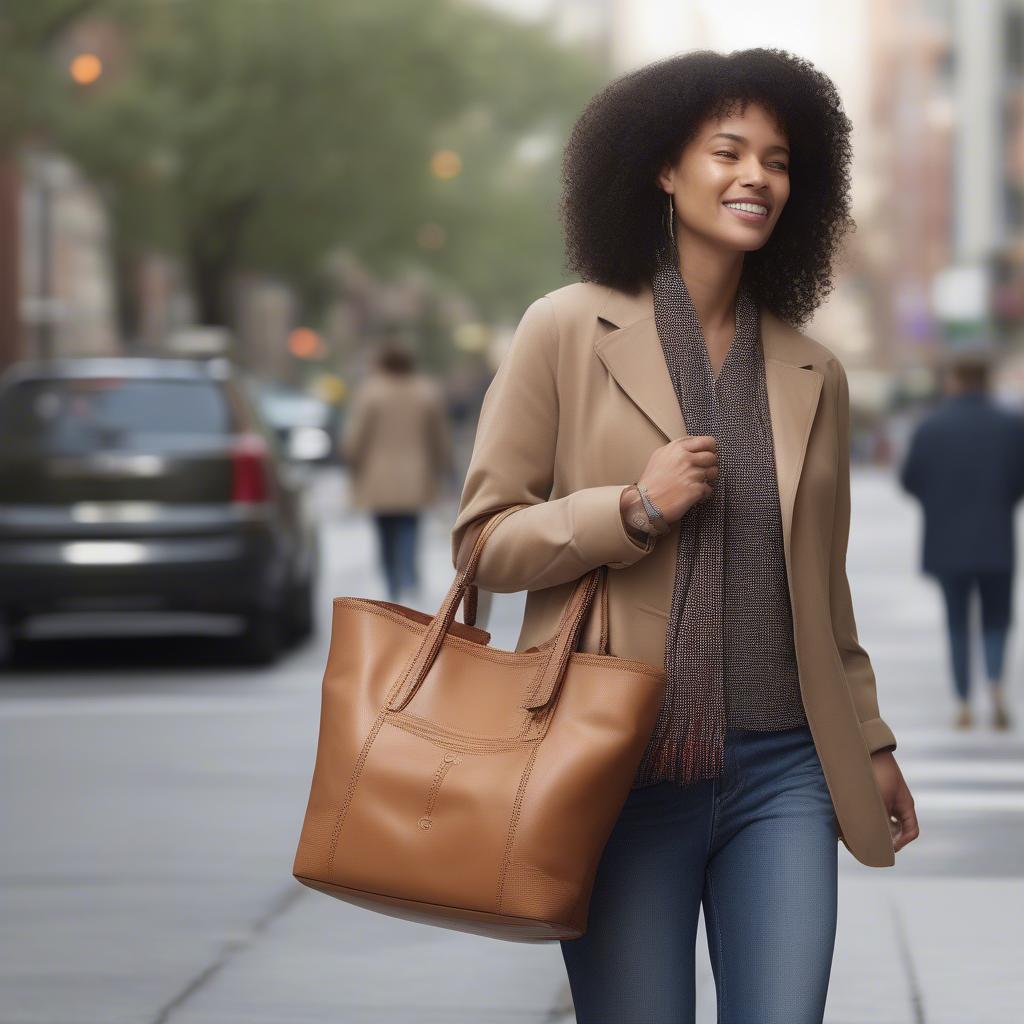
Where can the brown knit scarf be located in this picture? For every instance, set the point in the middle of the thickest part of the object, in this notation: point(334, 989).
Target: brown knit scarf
point(687, 741)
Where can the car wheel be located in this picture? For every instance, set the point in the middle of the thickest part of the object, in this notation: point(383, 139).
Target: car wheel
point(261, 640)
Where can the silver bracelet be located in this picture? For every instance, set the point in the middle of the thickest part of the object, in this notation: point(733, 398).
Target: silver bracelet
point(653, 512)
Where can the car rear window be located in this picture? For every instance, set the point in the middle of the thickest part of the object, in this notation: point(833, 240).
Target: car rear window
point(104, 412)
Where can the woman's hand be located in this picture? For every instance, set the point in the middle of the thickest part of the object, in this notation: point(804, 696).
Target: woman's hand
point(675, 474)
point(897, 798)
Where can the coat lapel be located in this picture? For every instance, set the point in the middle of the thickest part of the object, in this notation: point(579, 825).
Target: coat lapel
point(633, 356)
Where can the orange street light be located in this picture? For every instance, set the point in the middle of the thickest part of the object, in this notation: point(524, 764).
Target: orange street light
point(86, 68)
point(445, 164)
point(304, 343)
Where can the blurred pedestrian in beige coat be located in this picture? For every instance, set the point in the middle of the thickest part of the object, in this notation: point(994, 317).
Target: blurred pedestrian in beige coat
point(397, 445)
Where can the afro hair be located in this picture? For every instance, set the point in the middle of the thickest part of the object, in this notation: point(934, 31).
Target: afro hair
point(613, 209)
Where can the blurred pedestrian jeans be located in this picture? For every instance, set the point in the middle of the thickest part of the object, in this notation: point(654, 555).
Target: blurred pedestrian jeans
point(996, 593)
point(759, 847)
point(397, 536)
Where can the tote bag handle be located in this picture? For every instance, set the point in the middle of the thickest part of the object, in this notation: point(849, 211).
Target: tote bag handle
point(551, 669)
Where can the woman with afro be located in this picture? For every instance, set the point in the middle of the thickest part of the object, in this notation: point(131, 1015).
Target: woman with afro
point(705, 199)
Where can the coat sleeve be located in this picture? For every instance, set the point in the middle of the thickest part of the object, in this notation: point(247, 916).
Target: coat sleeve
point(439, 437)
point(1018, 448)
point(910, 472)
point(860, 676)
point(355, 433)
point(513, 462)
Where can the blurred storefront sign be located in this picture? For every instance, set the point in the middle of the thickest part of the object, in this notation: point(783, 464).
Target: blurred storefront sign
point(914, 311)
point(200, 342)
point(330, 388)
point(961, 298)
point(870, 389)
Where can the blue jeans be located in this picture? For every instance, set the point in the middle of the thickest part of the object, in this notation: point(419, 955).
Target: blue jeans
point(995, 592)
point(397, 544)
point(758, 847)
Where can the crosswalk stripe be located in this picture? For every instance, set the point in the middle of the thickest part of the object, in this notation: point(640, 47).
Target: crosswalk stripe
point(979, 739)
point(952, 770)
point(968, 800)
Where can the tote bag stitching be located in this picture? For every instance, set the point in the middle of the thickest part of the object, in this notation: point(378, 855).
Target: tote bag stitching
point(608, 661)
point(358, 770)
point(443, 769)
point(356, 774)
point(514, 825)
point(488, 653)
point(443, 729)
point(612, 662)
point(467, 745)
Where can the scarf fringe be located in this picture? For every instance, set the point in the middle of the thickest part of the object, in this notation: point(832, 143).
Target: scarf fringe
point(700, 755)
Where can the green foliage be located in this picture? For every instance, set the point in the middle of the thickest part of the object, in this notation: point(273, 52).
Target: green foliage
point(30, 84)
point(260, 134)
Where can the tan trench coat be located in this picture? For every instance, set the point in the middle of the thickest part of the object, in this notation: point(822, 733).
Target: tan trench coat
point(396, 442)
point(580, 401)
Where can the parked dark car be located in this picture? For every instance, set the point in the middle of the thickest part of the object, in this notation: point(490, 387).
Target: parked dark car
point(149, 484)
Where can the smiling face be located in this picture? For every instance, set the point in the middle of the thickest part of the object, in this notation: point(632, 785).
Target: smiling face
point(741, 157)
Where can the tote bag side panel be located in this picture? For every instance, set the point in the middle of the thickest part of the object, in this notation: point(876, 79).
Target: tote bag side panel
point(368, 651)
point(582, 775)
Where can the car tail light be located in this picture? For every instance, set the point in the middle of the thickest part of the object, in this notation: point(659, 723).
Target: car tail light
point(249, 469)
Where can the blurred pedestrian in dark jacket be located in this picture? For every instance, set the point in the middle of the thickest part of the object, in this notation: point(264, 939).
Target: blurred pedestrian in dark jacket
point(397, 444)
point(965, 464)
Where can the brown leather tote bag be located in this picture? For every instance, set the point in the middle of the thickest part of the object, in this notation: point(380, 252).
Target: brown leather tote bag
point(460, 785)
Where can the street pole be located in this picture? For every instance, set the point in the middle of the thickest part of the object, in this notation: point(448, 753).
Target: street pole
point(45, 334)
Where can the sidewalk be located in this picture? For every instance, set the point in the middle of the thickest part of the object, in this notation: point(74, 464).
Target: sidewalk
point(945, 951)
point(326, 961)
